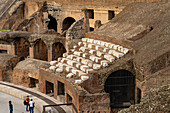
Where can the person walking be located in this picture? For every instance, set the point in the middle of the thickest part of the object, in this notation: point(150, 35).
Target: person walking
point(31, 103)
point(27, 103)
point(10, 107)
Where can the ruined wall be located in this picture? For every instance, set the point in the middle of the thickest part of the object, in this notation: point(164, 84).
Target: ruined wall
point(76, 30)
point(25, 70)
point(96, 103)
point(97, 2)
point(7, 67)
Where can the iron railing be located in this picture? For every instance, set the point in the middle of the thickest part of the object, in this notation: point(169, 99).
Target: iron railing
point(74, 107)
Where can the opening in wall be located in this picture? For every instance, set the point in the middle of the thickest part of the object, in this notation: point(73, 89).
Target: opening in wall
point(69, 99)
point(49, 88)
point(3, 51)
point(61, 90)
point(91, 13)
point(111, 14)
point(91, 29)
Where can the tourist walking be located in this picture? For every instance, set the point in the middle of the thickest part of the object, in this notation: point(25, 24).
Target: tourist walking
point(31, 106)
point(27, 103)
point(10, 107)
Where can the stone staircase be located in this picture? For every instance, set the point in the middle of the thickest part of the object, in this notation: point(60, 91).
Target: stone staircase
point(87, 57)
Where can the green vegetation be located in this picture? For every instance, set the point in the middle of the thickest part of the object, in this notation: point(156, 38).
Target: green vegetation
point(6, 30)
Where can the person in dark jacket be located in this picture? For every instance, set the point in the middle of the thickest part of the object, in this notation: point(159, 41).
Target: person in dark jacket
point(10, 107)
point(27, 101)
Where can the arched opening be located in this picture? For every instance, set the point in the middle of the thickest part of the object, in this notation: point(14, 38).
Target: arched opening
point(21, 47)
point(121, 87)
point(52, 23)
point(91, 29)
point(68, 22)
point(40, 51)
point(57, 50)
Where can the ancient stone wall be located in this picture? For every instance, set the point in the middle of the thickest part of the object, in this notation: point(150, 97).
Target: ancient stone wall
point(96, 103)
point(76, 30)
point(97, 2)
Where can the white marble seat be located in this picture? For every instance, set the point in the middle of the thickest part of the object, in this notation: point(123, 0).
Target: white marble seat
point(53, 62)
point(110, 58)
point(59, 70)
point(104, 63)
point(96, 66)
point(83, 78)
point(70, 75)
point(52, 68)
point(78, 81)
point(84, 67)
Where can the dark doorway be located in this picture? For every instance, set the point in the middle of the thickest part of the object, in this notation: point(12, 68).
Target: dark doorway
point(40, 51)
point(33, 83)
point(121, 86)
point(3, 51)
point(91, 29)
point(58, 50)
point(69, 99)
point(111, 14)
point(138, 95)
point(68, 22)
point(91, 13)
point(53, 23)
point(21, 47)
point(49, 88)
point(61, 89)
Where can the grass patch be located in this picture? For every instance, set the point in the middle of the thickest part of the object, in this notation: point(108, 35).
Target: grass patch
point(6, 30)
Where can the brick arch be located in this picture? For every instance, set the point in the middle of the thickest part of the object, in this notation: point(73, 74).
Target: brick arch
point(67, 22)
point(40, 50)
point(57, 50)
point(21, 47)
point(120, 84)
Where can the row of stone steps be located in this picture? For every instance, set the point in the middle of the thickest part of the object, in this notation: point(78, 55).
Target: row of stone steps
point(87, 57)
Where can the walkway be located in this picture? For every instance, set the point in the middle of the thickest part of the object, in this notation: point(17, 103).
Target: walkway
point(17, 104)
point(21, 92)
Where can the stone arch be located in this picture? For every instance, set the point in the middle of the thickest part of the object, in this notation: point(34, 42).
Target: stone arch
point(52, 23)
point(57, 50)
point(40, 50)
point(67, 22)
point(21, 47)
point(121, 87)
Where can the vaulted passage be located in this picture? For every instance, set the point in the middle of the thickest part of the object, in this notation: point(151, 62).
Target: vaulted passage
point(58, 50)
point(53, 23)
point(49, 87)
point(121, 86)
point(68, 22)
point(21, 47)
point(40, 51)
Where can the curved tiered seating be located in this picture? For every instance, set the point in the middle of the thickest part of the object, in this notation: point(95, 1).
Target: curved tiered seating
point(87, 57)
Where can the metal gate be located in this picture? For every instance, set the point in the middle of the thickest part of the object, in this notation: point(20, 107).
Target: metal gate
point(121, 86)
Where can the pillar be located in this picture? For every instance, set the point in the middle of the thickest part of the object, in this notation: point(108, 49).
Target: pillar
point(50, 53)
point(31, 52)
point(86, 26)
point(12, 50)
point(1, 75)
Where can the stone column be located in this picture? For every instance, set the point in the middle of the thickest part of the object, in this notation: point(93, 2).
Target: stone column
point(50, 53)
point(31, 52)
point(1, 75)
point(86, 26)
point(12, 51)
point(55, 89)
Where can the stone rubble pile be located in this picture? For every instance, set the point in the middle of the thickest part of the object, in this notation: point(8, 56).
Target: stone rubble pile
point(154, 101)
point(89, 56)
